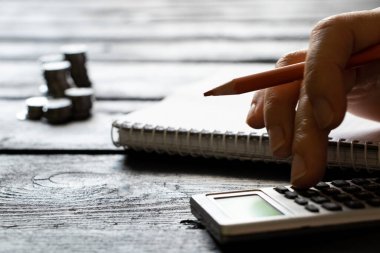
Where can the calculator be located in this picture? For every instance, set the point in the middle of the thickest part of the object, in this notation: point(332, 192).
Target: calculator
point(283, 210)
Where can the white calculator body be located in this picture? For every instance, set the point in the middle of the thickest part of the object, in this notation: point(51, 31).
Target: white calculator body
point(271, 211)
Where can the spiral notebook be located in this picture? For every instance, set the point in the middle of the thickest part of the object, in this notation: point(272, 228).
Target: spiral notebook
point(186, 123)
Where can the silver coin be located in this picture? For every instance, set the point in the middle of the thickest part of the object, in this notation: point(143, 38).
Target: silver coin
point(56, 66)
point(79, 92)
point(56, 77)
point(36, 102)
point(82, 100)
point(51, 58)
point(57, 103)
point(34, 107)
point(57, 111)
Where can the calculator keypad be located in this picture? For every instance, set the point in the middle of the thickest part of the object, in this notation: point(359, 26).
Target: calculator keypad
point(358, 193)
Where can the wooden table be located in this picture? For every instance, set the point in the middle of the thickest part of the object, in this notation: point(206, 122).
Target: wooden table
point(66, 188)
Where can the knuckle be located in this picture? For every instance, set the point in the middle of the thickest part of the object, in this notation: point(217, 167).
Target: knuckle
point(332, 22)
point(289, 58)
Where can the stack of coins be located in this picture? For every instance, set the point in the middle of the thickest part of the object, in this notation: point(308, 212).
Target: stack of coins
point(55, 74)
point(57, 110)
point(35, 107)
point(76, 55)
point(63, 100)
point(47, 59)
point(81, 99)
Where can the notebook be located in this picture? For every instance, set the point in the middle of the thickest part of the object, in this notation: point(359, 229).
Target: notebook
point(187, 123)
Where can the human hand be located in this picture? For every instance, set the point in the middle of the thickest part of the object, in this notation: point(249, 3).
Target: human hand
point(323, 96)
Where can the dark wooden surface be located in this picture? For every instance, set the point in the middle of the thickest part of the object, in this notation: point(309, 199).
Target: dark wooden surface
point(66, 188)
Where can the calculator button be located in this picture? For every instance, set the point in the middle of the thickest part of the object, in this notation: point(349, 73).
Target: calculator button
point(360, 181)
point(291, 195)
point(351, 189)
point(312, 208)
point(331, 206)
point(301, 201)
point(374, 202)
point(354, 204)
point(342, 197)
point(364, 195)
point(340, 183)
point(319, 199)
point(308, 193)
point(322, 185)
point(331, 191)
point(281, 189)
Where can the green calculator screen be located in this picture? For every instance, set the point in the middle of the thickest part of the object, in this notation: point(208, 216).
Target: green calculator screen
point(249, 206)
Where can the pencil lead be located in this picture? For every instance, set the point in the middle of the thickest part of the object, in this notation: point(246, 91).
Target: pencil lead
point(208, 93)
point(224, 89)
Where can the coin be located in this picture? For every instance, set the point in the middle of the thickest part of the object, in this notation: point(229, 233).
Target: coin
point(76, 55)
point(56, 66)
point(51, 58)
point(82, 100)
point(57, 110)
point(56, 76)
point(35, 107)
point(46, 59)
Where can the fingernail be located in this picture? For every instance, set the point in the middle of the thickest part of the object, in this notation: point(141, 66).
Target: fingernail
point(276, 136)
point(323, 113)
point(298, 169)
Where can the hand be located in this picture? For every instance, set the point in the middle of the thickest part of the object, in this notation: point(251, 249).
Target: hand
point(323, 96)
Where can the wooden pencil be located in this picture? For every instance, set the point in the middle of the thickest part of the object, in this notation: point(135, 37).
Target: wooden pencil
point(284, 75)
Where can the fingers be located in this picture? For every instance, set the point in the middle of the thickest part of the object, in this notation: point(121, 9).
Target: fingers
point(275, 109)
point(255, 117)
point(279, 109)
point(332, 42)
point(309, 146)
point(323, 101)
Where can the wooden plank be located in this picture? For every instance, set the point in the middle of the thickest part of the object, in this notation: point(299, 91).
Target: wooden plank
point(115, 203)
point(146, 51)
point(176, 31)
point(197, 10)
point(118, 80)
point(82, 136)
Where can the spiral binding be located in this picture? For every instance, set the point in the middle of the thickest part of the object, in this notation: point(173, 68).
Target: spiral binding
point(231, 145)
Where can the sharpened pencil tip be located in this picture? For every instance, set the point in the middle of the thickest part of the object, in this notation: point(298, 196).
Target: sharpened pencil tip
point(224, 89)
point(208, 93)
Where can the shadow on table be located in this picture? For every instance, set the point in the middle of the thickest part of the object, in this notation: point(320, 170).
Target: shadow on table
point(153, 162)
point(163, 163)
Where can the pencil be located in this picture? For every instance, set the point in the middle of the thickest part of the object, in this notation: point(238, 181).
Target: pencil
point(284, 75)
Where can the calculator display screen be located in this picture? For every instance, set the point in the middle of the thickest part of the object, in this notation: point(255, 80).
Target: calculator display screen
point(248, 206)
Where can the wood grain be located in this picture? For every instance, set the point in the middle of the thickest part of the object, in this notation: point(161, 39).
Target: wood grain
point(156, 11)
point(111, 203)
point(118, 80)
point(151, 51)
point(128, 203)
point(92, 135)
point(176, 31)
